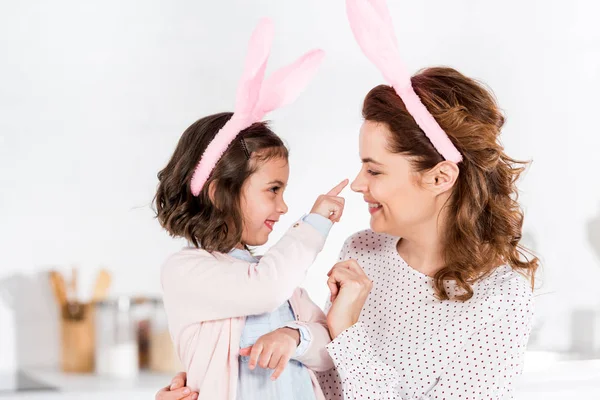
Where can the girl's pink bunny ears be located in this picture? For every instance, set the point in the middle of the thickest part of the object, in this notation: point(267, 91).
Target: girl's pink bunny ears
point(256, 96)
point(372, 27)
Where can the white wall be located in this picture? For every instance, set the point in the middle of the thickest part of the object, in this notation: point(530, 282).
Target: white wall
point(94, 95)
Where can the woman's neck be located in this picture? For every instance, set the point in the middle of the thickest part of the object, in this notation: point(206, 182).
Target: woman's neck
point(425, 257)
point(423, 247)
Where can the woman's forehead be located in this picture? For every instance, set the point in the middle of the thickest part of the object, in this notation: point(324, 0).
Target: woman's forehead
point(373, 141)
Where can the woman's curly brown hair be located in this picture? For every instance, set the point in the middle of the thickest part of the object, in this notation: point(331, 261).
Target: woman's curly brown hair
point(217, 224)
point(486, 217)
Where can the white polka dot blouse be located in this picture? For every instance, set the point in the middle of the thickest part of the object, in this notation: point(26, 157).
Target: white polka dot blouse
point(408, 344)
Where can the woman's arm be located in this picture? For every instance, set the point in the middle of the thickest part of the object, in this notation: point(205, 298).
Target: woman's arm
point(484, 367)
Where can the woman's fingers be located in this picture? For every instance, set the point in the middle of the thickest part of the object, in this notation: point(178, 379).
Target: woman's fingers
point(183, 393)
point(178, 381)
point(346, 269)
point(347, 273)
point(336, 275)
point(333, 288)
point(193, 396)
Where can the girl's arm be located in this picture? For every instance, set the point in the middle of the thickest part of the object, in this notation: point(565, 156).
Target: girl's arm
point(199, 286)
point(315, 355)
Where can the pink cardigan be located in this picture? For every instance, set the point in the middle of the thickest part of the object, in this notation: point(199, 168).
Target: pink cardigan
point(207, 297)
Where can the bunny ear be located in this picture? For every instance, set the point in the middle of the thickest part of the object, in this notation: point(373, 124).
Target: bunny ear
point(380, 6)
point(286, 84)
point(372, 27)
point(259, 49)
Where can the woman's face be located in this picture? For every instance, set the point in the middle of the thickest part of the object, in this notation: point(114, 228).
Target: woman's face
point(400, 200)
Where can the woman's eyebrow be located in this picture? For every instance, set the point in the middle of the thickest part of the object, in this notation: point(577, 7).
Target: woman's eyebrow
point(277, 182)
point(370, 160)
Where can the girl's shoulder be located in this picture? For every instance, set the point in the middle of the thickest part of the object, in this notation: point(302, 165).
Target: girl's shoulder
point(192, 256)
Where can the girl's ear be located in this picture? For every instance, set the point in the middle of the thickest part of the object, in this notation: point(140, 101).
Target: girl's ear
point(212, 187)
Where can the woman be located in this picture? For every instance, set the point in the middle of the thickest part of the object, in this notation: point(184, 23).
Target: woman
point(435, 300)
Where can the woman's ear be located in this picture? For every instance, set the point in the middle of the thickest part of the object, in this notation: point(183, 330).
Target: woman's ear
point(442, 177)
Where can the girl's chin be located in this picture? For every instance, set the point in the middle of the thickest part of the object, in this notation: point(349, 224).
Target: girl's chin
point(257, 241)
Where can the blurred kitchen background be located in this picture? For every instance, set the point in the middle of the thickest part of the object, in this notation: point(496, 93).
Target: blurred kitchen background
point(95, 94)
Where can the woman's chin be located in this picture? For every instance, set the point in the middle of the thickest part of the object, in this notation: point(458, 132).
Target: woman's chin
point(376, 225)
point(379, 226)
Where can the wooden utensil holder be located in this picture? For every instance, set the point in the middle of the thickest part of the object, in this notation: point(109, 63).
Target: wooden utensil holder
point(77, 337)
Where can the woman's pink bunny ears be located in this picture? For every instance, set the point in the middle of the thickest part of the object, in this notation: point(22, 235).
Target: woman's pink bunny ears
point(372, 27)
point(256, 96)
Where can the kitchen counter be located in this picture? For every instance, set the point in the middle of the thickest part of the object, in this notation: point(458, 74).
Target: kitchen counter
point(52, 384)
point(545, 378)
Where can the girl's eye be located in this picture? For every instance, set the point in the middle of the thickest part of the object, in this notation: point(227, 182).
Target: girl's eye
point(275, 189)
point(370, 172)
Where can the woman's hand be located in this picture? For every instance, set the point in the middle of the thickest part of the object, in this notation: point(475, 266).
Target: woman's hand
point(176, 390)
point(350, 287)
point(330, 205)
point(273, 350)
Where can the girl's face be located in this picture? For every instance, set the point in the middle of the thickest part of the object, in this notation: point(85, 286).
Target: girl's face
point(399, 199)
point(262, 200)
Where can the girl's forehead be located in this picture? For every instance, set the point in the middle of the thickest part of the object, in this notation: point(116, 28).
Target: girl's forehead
point(274, 169)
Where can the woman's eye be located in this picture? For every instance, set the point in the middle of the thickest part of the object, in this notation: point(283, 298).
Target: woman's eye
point(371, 172)
point(275, 189)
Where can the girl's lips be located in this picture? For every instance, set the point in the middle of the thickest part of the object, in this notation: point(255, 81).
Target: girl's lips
point(270, 224)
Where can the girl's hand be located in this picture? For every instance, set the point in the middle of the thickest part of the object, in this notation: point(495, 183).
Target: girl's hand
point(273, 350)
point(350, 287)
point(330, 205)
point(176, 390)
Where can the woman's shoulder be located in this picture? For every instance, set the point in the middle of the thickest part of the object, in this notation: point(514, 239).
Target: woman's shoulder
point(506, 287)
point(367, 241)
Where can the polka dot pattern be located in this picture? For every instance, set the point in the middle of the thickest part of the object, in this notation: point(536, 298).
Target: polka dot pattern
point(410, 345)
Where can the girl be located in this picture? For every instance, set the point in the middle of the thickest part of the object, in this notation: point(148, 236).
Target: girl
point(223, 190)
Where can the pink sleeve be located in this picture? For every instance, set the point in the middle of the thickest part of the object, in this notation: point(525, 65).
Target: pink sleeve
point(316, 356)
point(200, 287)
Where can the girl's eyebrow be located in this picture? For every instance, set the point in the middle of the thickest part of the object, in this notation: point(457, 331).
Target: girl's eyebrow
point(277, 181)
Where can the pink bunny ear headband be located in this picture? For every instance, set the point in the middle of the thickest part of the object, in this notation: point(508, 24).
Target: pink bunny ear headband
point(371, 24)
point(256, 97)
